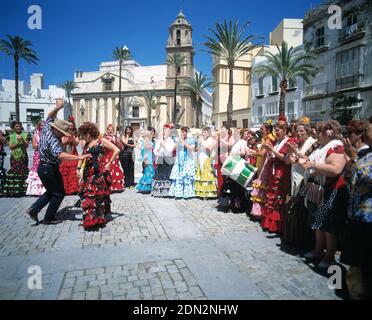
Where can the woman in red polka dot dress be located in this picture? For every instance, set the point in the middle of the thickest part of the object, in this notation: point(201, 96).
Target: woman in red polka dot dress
point(117, 174)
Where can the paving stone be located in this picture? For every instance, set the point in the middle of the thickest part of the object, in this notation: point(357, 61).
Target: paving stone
point(144, 224)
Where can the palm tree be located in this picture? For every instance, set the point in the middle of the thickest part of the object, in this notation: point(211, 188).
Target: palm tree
point(19, 49)
point(176, 60)
point(197, 85)
point(287, 65)
point(228, 42)
point(121, 54)
point(151, 103)
point(69, 86)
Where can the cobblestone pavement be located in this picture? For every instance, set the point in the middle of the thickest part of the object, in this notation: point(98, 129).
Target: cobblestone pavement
point(151, 249)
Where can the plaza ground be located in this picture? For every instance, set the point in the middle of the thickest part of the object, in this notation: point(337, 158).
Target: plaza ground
point(152, 249)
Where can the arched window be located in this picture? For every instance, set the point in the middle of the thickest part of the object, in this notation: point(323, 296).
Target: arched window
point(178, 35)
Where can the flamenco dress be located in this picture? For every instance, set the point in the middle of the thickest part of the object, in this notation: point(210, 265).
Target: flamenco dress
point(145, 184)
point(34, 185)
point(205, 180)
point(15, 184)
point(161, 182)
point(278, 188)
point(68, 172)
point(95, 188)
point(183, 172)
point(116, 171)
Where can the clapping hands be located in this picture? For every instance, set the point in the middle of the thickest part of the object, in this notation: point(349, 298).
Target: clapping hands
point(292, 147)
point(350, 150)
point(268, 147)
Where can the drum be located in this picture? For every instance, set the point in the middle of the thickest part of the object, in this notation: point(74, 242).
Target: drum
point(239, 170)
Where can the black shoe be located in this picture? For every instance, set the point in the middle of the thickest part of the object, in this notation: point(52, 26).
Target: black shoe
point(33, 215)
point(50, 222)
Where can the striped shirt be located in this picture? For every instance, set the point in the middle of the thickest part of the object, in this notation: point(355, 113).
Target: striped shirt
point(50, 147)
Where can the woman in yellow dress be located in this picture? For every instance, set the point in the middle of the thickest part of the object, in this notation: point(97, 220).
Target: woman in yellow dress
point(205, 179)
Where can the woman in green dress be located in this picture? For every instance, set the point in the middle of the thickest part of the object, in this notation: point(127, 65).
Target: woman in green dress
point(15, 184)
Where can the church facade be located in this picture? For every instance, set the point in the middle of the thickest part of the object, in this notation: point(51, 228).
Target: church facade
point(97, 96)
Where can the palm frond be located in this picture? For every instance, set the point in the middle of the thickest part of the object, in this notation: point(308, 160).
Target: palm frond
point(18, 48)
point(288, 63)
point(150, 99)
point(121, 54)
point(69, 86)
point(228, 41)
point(177, 60)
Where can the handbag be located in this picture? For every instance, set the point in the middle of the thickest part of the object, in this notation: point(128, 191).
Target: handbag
point(313, 192)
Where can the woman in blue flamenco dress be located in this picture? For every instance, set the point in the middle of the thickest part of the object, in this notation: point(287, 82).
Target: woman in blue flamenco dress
point(147, 155)
point(184, 169)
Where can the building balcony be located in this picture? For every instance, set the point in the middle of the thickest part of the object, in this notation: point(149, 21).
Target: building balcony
point(352, 33)
point(320, 44)
point(316, 89)
point(257, 120)
point(273, 93)
point(349, 82)
point(317, 45)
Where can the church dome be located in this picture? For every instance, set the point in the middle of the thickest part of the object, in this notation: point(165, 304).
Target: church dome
point(181, 20)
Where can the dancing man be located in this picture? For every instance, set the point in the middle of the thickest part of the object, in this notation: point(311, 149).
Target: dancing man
point(51, 154)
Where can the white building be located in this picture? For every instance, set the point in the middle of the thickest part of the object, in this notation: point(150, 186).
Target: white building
point(207, 107)
point(97, 96)
point(35, 101)
point(343, 56)
point(266, 90)
point(290, 30)
point(93, 101)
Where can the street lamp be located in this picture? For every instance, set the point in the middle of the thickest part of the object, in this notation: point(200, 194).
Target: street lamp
point(82, 109)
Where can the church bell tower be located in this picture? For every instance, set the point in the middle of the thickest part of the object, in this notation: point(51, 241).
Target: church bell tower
point(180, 41)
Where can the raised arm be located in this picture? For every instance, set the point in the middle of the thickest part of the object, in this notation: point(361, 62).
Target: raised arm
point(59, 106)
point(35, 144)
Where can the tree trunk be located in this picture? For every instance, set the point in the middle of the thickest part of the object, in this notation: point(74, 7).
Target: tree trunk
point(149, 116)
point(16, 67)
point(175, 100)
point(283, 92)
point(197, 112)
point(231, 96)
point(69, 103)
point(119, 104)
point(200, 114)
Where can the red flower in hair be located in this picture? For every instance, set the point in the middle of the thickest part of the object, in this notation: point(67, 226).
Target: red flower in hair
point(282, 117)
point(71, 119)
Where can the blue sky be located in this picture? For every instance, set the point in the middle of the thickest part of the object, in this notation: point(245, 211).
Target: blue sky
point(79, 34)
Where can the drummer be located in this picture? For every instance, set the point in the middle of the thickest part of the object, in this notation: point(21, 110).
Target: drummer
point(241, 148)
point(233, 196)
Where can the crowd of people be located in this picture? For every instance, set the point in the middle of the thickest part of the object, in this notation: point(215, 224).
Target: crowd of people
point(310, 183)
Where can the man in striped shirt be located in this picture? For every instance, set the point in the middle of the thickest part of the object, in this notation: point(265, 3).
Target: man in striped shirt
point(51, 153)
